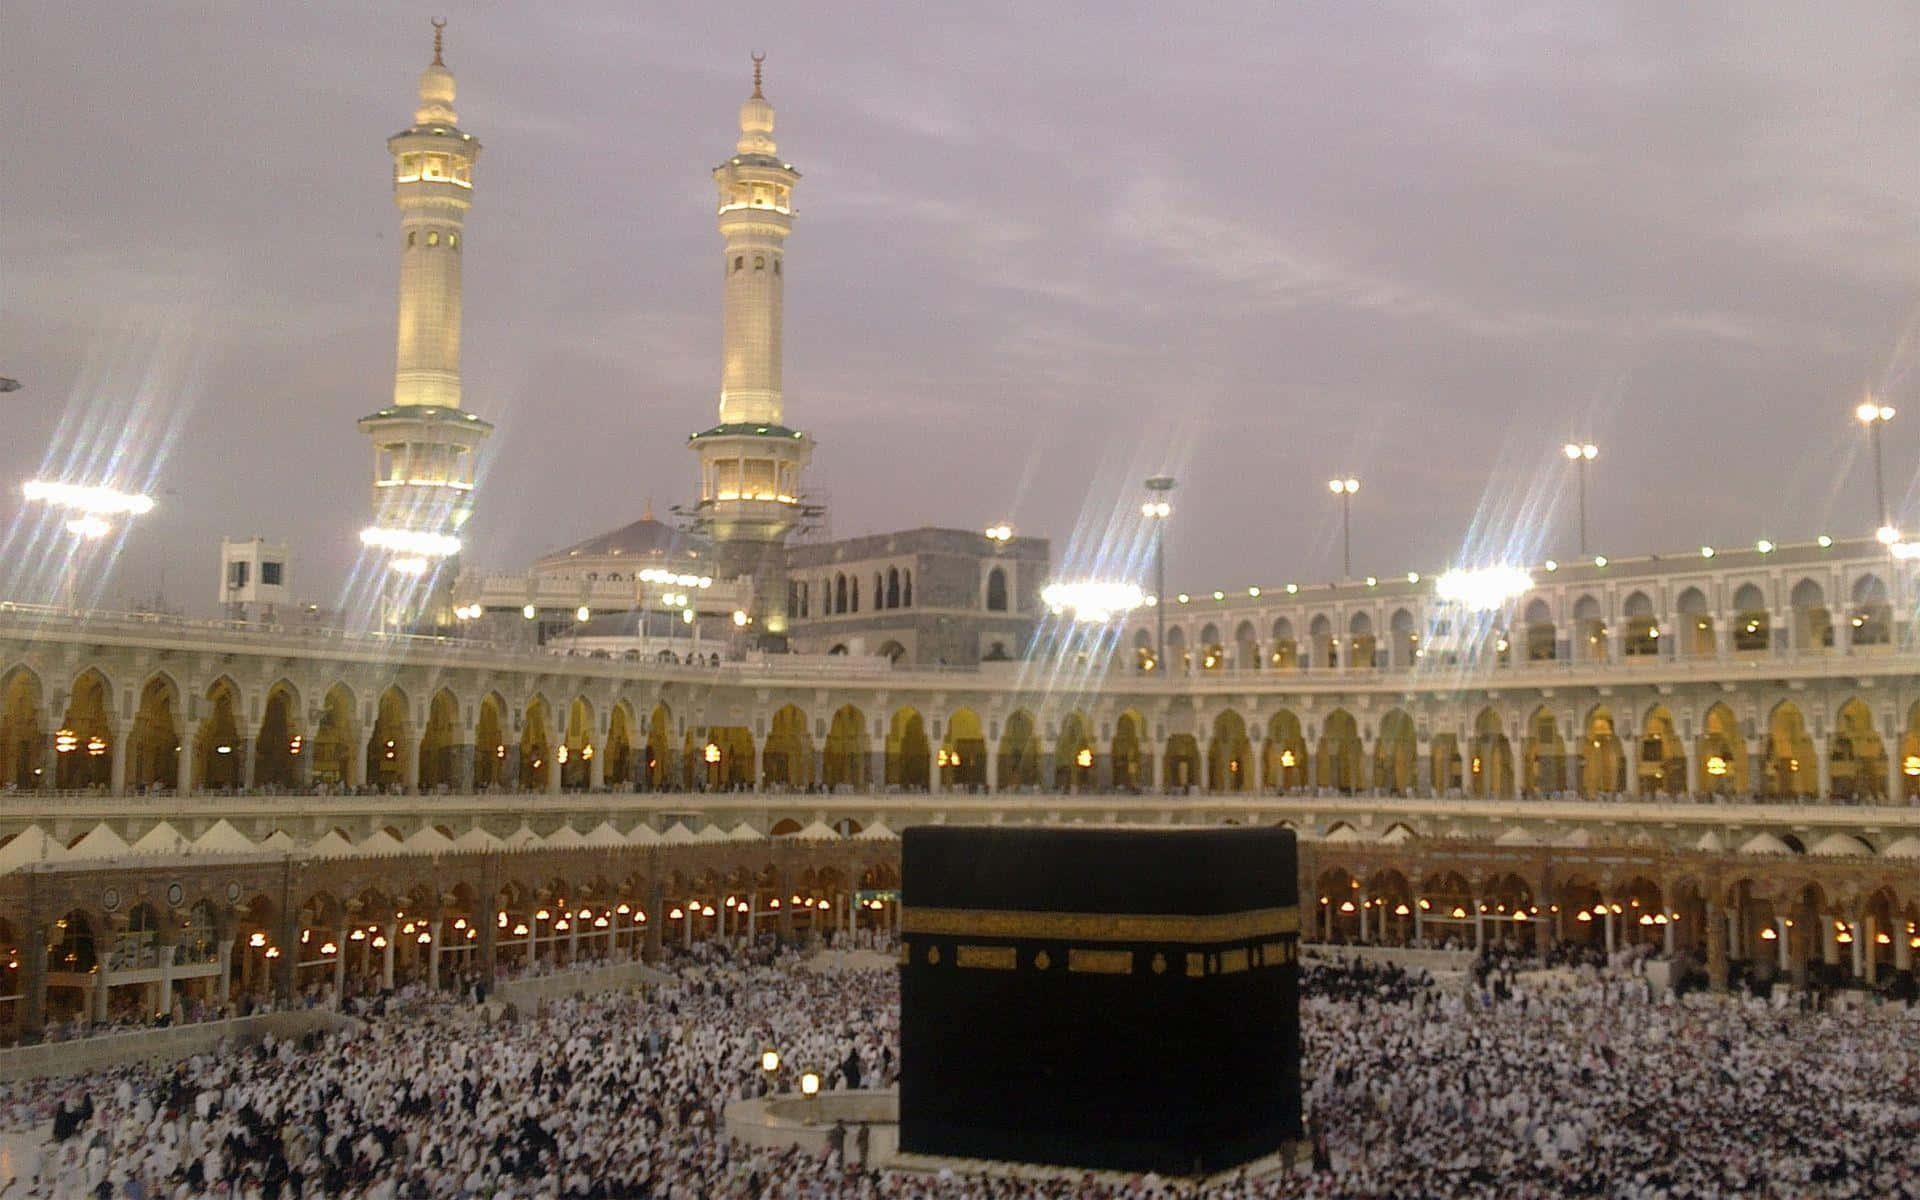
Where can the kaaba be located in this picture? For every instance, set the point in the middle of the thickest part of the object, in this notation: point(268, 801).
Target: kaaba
point(1119, 999)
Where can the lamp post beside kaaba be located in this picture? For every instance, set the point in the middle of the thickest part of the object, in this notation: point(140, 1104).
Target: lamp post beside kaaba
point(1112, 999)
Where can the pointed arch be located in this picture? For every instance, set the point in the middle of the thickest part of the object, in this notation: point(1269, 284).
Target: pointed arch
point(1663, 756)
point(1229, 754)
point(336, 742)
point(1073, 756)
point(787, 760)
point(618, 771)
point(1129, 762)
point(391, 743)
point(1285, 764)
point(1491, 767)
point(1857, 758)
point(963, 752)
point(153, 748)
point(1542, 638)
point(22, 740)
point(1752, 623)
point(1019, 752)
point(441, 744)
point(1603, 768)
point(280, 746)
point(1790, 768)
point(536, 746)
point(219, 749)
point(663, 759)
point(1722, 753)
point(844, 762)
point(576, 750)
point(1544, 754)
point(491, 766)
point(909, 754)
point(1396, 753)
point(1340, 752)
point(87, 726)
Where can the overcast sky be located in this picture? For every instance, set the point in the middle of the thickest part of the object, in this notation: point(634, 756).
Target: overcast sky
point(1040, 252)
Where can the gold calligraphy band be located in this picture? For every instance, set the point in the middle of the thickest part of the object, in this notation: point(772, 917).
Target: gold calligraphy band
point(1134, 928)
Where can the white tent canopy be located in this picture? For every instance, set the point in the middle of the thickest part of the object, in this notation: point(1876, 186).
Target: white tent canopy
point(222, 838)
point(427, 840)
point(478, 840)
point(877, 832)
point(1765, 844)
point(1840, 845)
point(565, 837)
point(102, 842)
point(522, 837)
point(604, 834)
point(162, 839)
point(379, 842)
point(331, 845)
point(31, 845)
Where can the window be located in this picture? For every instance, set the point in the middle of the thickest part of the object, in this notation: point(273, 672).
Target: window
point(759, 262)
point(413, 237)
point(236, 575)
point(853, 594)
point(776, 266)
point(893, 587)
point(996, 590)
point(433, 237)
point(453, 241)
point(270, 573)
point(906, 589)
point(839, 593)
point(739, 261)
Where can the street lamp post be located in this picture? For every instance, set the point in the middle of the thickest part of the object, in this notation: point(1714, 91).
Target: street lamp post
point(90, 508)
point(1873, 415)
point(1157, 510)
point(1580, 454)
point(1345, 488)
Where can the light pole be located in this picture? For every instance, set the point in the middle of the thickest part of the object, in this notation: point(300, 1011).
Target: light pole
point(90, 506)
point(1157, 510)
point(1580, 454)
point(1345, 488)
point(1873, 416)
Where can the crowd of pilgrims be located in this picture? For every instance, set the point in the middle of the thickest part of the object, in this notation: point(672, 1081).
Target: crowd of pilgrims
point(1497, 1082)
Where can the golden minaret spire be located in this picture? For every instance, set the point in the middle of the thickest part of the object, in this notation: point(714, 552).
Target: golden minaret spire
point(759, 56)
point(439, 29)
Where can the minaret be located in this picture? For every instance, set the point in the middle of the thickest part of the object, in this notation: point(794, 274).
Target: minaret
point(424, 444)
point(750, 463)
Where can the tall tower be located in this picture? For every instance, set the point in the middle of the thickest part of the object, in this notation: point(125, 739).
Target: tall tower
point(750, 463)
point(424, 444)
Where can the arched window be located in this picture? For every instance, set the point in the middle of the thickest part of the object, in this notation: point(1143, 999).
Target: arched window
point(759, 262)
point(776, 265)
point(413, 237)
point(433, 237)
point(839, 593)
point(996, 590)
point(893, 587)
point(906, 589)
point(453, 241)
point(879, 592)
point(739, 262)
point(853, 594)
